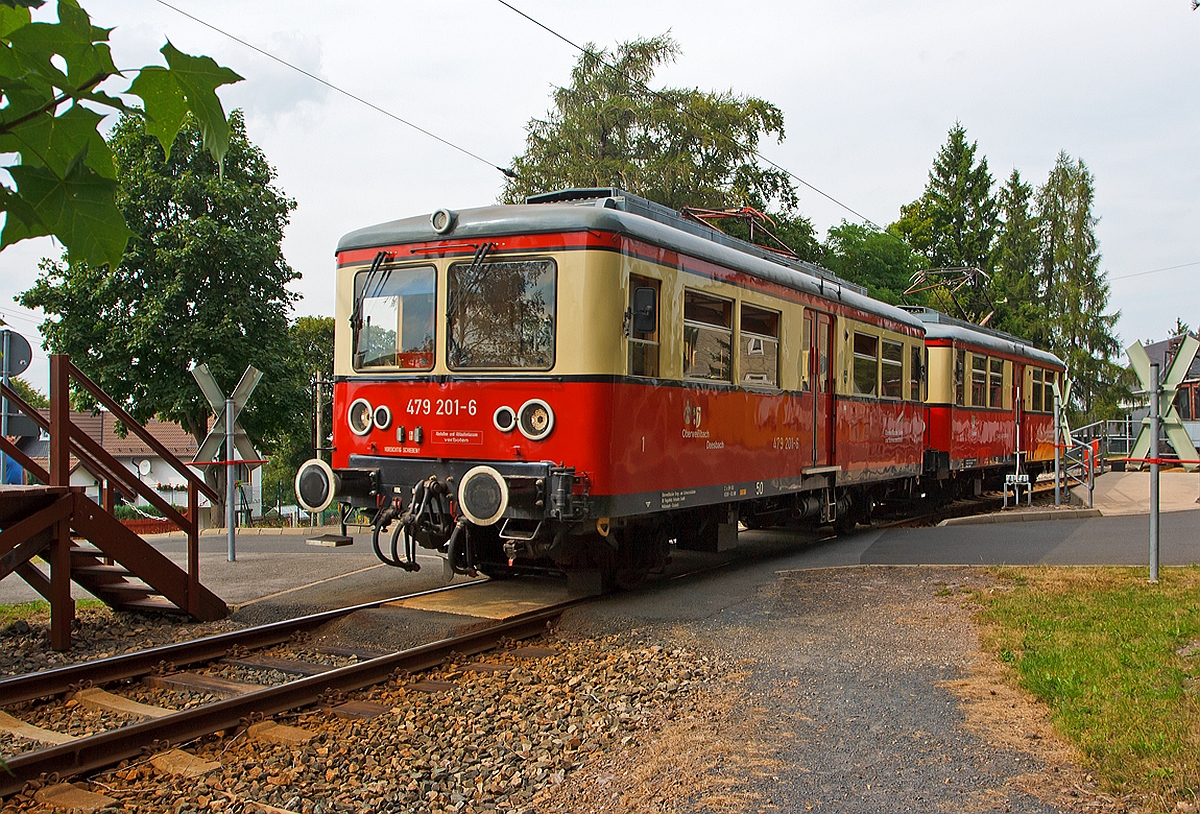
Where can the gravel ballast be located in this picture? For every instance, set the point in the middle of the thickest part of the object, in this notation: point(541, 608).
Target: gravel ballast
point(858, 689)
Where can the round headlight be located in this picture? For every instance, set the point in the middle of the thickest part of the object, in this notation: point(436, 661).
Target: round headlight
point(483, 495)
point(535, 419)
point(505, 419)
point(359, 416)
point(383, 417)
point(443, 220)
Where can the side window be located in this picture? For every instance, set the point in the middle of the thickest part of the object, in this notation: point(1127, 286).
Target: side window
point(960, 372)
point(866, 364)
point(643, 345)
point(758, 342)
point(1049, 392)
point(978, 380)
point(1035, 399)
point(892, 370)
point(914, 373)
point(1183, 403)
point(707, 337)
point(996, 383)
point(805, 353)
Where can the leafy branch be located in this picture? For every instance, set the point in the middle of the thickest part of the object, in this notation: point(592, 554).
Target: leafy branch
point(64, 178)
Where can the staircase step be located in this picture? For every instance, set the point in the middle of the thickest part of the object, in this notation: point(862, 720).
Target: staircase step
point(125, 587)
point(101, 572)
point(150, 604)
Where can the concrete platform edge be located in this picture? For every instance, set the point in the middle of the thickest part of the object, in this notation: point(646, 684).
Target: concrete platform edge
point(1022, 517)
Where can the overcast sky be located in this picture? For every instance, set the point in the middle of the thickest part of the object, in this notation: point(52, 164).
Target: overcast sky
point(868, 91)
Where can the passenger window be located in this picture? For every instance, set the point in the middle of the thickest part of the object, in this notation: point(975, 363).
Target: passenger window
point(866, 364)
point(960, 372)
point(759, 344)
point(996, 384)
point(1049, 393)
point(914, 373)
point(892, 370)
point(643, 345)
point(978, 380)
point(707, 337)
point(1036, 401)
point(805, 353)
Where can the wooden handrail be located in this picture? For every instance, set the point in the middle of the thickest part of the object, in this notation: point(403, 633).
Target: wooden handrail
point(141, 432)
point(113, 469)
point(89, 463)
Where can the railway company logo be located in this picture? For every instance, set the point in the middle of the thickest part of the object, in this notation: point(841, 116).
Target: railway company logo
point(691, 421)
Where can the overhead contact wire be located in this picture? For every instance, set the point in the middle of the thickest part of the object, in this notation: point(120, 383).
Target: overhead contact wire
point(689, 114)
point(505, 170)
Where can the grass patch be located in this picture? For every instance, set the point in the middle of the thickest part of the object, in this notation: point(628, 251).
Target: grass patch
point(37, 612)
point(1116, 659)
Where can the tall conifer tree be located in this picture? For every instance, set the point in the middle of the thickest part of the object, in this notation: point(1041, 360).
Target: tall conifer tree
point(953, 224)
point(1019, 308)
point(1074, 288)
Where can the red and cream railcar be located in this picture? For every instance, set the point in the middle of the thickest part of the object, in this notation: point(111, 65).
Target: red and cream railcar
point(990, 402)
point(577, 381)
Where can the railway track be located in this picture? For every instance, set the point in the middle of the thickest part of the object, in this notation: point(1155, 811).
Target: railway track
point(164, 667)
point(161, 727)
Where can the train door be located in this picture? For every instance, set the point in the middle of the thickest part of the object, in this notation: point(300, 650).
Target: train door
point(821, 365)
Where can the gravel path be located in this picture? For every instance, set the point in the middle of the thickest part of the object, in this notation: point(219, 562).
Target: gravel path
point(844, 690)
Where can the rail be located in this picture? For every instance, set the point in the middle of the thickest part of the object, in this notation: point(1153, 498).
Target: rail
point(107, 748)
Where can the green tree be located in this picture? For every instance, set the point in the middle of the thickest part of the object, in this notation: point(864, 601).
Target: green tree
point(1019, 308)
point(878, 260)
point(677, 146)
point(203, 281)
point(1075, 290)
point(64, 178)
point(953, 223)
point(33, 397)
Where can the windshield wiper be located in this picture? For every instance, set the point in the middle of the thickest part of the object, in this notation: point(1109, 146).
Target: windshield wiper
point(356, 315)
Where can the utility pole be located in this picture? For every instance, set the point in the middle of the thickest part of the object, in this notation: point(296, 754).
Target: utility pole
point(319, 440)
point(230, 454)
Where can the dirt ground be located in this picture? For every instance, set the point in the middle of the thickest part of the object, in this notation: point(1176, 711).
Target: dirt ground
point(858, 689)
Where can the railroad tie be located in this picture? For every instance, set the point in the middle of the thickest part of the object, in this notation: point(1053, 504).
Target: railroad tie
point(96, 698)
point(17, 727)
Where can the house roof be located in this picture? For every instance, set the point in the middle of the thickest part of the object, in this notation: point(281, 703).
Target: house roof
point(102, 428)
point(1162, 352)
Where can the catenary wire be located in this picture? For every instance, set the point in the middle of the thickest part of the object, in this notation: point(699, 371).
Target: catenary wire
point(1153, 271)
point(505, 170)
point(689, 114)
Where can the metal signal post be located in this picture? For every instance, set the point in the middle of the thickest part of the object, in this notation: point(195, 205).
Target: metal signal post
point(1155, 391)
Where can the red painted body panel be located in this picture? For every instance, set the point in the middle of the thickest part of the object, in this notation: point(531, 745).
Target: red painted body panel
point(630, 437)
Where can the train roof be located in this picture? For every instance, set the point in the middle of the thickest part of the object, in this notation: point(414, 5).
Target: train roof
point(612, 210)
point(941, 326)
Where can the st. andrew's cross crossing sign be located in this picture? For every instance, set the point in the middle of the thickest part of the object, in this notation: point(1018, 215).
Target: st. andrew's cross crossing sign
point(1176, 433)
point(216, 399)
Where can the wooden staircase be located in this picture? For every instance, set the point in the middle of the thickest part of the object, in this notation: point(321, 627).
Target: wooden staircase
point(81, 540)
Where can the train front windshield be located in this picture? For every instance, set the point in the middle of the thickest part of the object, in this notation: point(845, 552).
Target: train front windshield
point(394, 318)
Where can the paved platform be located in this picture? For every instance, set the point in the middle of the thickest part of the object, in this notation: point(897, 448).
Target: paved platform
point(1125, 493)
